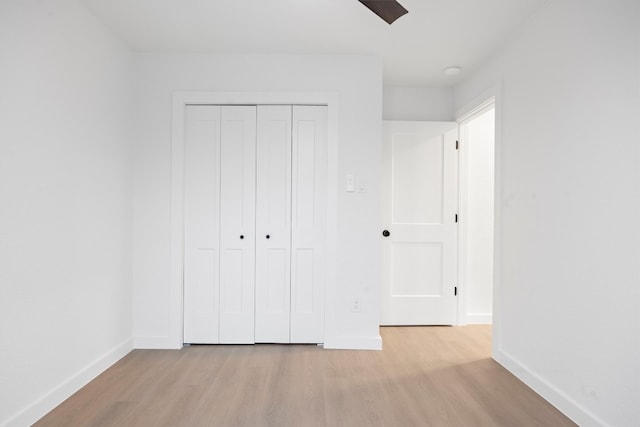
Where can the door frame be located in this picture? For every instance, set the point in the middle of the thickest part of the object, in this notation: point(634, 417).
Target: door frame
point(180, 100)
point(491, 97)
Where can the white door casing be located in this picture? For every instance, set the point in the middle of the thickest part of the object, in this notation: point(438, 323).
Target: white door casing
point(419, 191)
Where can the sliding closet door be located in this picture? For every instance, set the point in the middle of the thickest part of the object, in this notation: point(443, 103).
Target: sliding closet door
point(273, 224)
point(237, 223)
point(308, 228)
point(202, 226)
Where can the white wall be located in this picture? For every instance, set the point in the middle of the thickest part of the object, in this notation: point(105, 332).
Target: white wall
point(568, 290)
point(65, 204)
point(358, 82)
point(418, 103)
point(479, 146)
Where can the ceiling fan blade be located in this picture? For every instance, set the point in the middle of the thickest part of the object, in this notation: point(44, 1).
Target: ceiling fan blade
point(388, 10)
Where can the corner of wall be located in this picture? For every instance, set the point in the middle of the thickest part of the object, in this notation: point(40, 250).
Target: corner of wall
point(64, 390)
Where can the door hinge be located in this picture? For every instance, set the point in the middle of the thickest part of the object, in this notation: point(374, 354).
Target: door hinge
point(457, 144)
point(455, 291)
point(456, 217)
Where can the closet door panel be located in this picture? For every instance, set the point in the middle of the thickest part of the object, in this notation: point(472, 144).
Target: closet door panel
point(273, 224)
point(202, 204)
point(237, 223)
point(308, 228)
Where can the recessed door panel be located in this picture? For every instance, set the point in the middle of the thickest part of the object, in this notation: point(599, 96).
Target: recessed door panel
point(416, 269)
point(232, 278)
point(278, 283)
point(305, 172)
point(417, 179)
point(304, 278)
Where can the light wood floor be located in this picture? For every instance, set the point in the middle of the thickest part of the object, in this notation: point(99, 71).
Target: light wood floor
point(425, 376)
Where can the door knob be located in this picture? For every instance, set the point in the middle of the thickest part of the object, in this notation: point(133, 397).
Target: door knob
point(268, 236)
point(386, 233)
point(242, 236)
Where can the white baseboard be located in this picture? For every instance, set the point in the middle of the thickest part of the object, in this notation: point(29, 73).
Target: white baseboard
point(64, 390)
point(156, 343)
point(355, 343)
point(479, 318)
point(549, 392)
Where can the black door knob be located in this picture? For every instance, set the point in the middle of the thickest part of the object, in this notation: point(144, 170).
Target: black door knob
point(386, 233)
point(242, 236)
point(268, 237)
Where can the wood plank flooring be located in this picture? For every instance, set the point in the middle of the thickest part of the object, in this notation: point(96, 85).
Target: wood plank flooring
point(425, 376)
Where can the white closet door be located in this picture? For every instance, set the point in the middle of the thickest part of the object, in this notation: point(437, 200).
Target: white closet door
point(308, 230)
point(273, 224)
point(237, 223)
point(202, 196)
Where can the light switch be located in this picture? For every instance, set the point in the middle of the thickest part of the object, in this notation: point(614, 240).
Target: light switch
point(362, 186)
point(350, 182)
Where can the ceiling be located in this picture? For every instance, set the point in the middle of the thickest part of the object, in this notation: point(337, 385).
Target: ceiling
point(435, 34)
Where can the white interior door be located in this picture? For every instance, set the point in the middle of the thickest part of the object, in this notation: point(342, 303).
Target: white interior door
point(237, 223)
point(308, 228)
point(420, 193)
point(202, 224)
point(273, 224)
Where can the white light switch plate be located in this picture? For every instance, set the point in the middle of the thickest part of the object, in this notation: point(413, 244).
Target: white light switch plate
point(350, 182)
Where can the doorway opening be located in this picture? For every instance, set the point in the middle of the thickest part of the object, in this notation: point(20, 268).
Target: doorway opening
point(475, 218)
point(477, 201)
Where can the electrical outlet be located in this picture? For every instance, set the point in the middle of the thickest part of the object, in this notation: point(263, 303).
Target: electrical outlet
point(356, 305)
